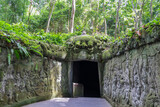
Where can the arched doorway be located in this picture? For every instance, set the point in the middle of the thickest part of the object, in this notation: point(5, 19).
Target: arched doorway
point(86, 73)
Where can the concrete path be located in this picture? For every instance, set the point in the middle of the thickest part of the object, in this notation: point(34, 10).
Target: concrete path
point(72, 102)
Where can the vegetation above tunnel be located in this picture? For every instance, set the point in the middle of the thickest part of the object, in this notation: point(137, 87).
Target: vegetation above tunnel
point(52, 28)
point(21, 42)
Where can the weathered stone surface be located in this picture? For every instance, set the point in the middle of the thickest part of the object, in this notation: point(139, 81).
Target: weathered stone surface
point(84, 55)
point(133, 79)
point(129, 43)
point(129, 72)
point(85, 47)
point(29, 78)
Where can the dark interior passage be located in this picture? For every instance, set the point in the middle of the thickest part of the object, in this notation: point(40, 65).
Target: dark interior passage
point(86, 73)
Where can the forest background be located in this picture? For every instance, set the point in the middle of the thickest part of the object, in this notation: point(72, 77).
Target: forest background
point(58, 20)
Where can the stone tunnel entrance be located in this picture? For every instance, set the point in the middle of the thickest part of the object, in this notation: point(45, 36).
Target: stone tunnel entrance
point(86, 73)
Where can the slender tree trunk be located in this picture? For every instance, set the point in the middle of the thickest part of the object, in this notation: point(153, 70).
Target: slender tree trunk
point(30, 6)
point(141, 14)
point(151, 10)
point(97, 4)
point(72, 16)
point(117, 17)
point(105, 22)
point(68, 24)
point(119, 27)
point(69, 20)
point(50, 15)
point(105, 26)
point(97, 16)
point(136, 17)
point(92, 19)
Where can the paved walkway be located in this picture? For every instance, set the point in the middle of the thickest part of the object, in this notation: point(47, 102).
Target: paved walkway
point(72, 102)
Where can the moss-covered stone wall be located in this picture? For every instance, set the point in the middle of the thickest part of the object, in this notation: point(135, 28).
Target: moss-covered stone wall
point(30, 79)
point(129, 68)
point(133, 79)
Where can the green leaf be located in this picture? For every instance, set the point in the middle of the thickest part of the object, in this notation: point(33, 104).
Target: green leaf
point(16, 52)
point(36, 52)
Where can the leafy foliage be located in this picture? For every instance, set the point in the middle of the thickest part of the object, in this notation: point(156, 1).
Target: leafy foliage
point(24, 22)
point(23, 42)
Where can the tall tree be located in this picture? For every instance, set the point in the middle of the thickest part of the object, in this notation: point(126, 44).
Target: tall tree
point(151, 10)
point(141, 13)
point(105, 22)
point(30, 10)
point(117, 18)
point(50, 14)
point(72, 16)
point(97, 15)
point(136, 14)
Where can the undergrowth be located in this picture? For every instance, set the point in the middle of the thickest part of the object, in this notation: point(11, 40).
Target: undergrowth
point(21, 42)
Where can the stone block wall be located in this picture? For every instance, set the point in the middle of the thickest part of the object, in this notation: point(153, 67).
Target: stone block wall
point(30, 79)
point(133, 79)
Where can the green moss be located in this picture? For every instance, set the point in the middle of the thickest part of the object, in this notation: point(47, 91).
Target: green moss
point(84, 44)
point(1, 75)
point(83, 38)
point(44, 47)
point(35, 45)
point(106, 54)
point(29, 101)
point(151, 96)
point(78, 43)
point(150, 99)
point(53, 51)
point(36, 68)
point(61, 54)
point(0, 50)
point(90, 43)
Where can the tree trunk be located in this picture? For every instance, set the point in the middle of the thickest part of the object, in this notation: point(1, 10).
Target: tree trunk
point(30, 6)
point(68, 20)
point(98, 5)
point(105, 26)
point(72, 16)
point(50, 15)
point(23, 9)
point(105, 22)
point(140, 14)
point(97, 17)
point(68, 25)
point(136, 17)
point(119, 27)
point(151, 10)
point(117, 17)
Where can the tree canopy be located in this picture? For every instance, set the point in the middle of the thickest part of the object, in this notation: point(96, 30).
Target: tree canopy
point(114, 18)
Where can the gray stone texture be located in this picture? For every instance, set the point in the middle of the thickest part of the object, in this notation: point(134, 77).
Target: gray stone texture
point(133, 79)
point(30, 78)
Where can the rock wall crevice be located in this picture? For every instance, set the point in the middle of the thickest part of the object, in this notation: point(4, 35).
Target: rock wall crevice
point(28, 80)
point(133, 79)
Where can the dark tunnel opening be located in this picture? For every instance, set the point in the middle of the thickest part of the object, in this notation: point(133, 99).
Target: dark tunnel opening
point(86, 73)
